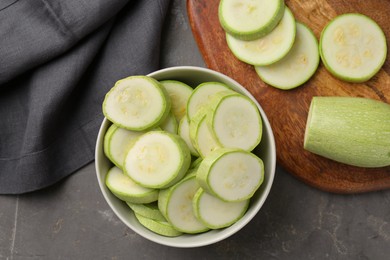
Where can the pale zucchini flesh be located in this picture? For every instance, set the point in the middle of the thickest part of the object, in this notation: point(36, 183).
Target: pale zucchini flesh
point(179, 93)
point(248, 19)
point(235, 122)
point(298, 66)
point(137, 103)
point(268, 49)
point(170, 124)
point(117, 142)
point(350, 130)
point(202, 95)
point(201, 137)
point(216, 213)
point(353, 47)
point(177, 206)
point(184, 133)
point(157, 159)
point(231, 174)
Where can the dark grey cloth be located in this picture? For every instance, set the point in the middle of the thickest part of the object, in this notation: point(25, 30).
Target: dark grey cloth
point(57, 61)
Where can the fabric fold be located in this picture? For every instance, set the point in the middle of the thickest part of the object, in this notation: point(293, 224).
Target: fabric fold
point(52, 88)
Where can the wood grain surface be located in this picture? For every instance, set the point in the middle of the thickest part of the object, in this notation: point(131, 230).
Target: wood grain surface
point(287, 110)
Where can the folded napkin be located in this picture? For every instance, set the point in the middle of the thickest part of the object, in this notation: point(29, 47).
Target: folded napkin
point(57, 61)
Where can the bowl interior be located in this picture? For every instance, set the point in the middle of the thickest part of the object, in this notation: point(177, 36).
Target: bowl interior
point(192, 76)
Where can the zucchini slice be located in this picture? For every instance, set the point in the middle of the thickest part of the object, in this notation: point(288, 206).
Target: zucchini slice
point(159, 227)
point(137, 103)
point(157, 159)
point(215, 213)
point(298, 66)
point(202, 95)
point(179, 93)
point(248, 19)
point(176, 205)
point(184, 133)
point(149, 210)
point(234, 121)
point(353, 47)
point(268, 49)
point(170, 124)
point(126, 189)
point(231, 174)
point(117, 142)
point(201, 136)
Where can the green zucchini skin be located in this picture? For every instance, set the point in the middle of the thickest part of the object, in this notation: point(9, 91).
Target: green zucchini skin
point(350, 130)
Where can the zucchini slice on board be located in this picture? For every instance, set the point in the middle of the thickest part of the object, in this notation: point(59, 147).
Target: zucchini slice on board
point(268, 49)
point(137, 103)
point(353, 47)
point(298, 66)
point(350, 130)
point(248, 19)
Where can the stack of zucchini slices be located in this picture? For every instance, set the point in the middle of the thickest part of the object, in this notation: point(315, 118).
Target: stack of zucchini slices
point(266, 35)
point(182, 157)
point(285, 53)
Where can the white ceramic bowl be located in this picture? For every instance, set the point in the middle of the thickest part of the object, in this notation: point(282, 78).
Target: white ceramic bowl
point(266, 151)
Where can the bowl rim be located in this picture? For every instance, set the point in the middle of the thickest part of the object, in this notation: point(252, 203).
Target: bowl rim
point(224, 233)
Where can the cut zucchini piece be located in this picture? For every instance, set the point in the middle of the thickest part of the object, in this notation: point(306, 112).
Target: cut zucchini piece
point(159, 227)
point(234, 121)
point(157, 159)
point(350, 130)
point(353, 47)
point(170, 124)
point(231, 174)
point(268, 49)
point(202, 95)
point(149, 210)
point(184, 133)
point(179, 93)
point(176, 205)
point(201, 137)
point(298, 66)
point(117, 142)
point(248, 19)
point(137, 103)
point(126, 189)
point(215, 213)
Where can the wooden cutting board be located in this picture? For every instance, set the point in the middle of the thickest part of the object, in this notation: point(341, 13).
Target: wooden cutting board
point(287, 110)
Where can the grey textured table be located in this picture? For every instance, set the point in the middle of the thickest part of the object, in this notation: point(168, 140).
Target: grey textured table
point(71, 219)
